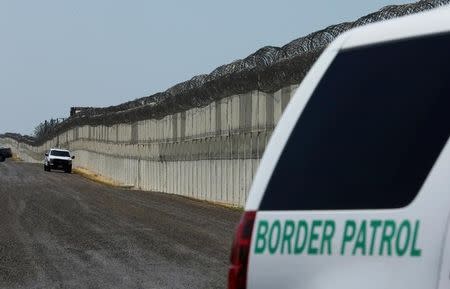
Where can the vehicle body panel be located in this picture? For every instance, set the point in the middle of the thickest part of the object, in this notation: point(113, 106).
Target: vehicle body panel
point(444, 282)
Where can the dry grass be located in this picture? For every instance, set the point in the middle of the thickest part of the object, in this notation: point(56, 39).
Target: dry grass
point(97, 177)
point(16, 158)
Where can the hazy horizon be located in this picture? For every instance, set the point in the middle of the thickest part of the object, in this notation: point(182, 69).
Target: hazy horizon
point(55, 55)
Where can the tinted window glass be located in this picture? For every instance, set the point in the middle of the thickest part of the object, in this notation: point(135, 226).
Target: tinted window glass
point(371, 131)
point(60, 154)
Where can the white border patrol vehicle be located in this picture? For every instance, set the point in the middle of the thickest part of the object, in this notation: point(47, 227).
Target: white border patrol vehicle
point(353, 190)
point(58, 159)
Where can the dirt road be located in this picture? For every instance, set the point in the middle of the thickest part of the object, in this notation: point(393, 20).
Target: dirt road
point(62, 231)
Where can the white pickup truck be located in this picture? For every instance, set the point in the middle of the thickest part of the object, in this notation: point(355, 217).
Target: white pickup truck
point(58, 159)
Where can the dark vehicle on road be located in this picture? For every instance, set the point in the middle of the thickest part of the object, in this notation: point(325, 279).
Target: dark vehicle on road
point(5, 153)
point(58, 159)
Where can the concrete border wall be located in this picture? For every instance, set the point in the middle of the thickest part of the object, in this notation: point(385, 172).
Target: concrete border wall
point(209, 153)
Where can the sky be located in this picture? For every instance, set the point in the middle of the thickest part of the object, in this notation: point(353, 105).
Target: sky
point(55, 54)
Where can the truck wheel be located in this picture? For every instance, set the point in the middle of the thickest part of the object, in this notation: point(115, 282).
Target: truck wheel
point(46, 168)
point(2, 159)
point(68, 169)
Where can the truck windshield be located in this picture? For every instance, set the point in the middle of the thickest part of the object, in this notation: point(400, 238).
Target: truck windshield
point(60, 153)
point(371, 132)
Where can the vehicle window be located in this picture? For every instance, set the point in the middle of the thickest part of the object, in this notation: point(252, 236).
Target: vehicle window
point(371, 131)
point(60, 154)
